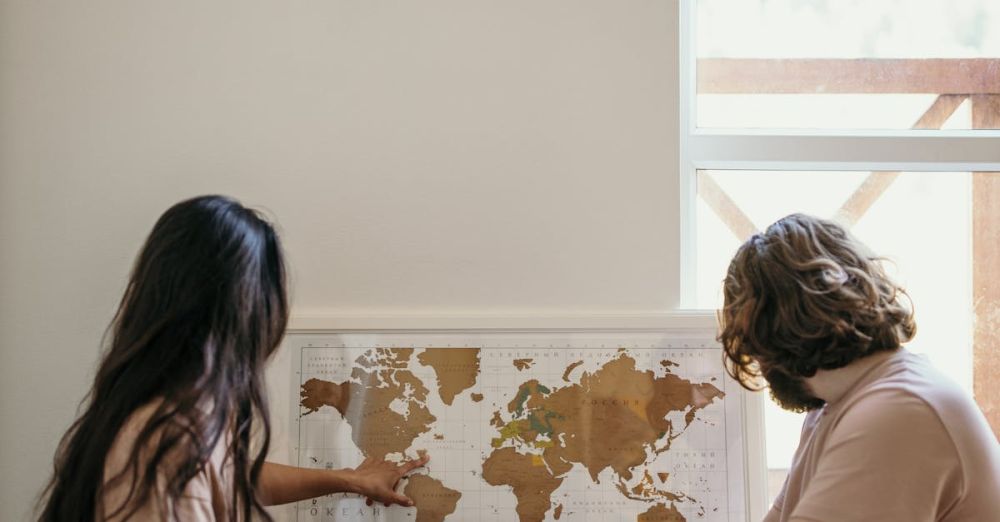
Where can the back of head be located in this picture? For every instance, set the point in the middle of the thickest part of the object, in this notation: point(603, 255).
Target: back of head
point(805, 295)
point(207, 294)
point(204, 308)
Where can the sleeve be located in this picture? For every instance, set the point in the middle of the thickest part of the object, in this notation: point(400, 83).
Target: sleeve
point(889, 459)
point(202, 500)
point(196, 503)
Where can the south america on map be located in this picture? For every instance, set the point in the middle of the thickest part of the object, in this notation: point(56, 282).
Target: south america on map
point(515, 433)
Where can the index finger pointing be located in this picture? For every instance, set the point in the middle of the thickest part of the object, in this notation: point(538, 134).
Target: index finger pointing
point(413, 464)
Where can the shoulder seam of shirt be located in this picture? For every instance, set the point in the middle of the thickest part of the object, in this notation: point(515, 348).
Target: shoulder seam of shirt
point(951, 438)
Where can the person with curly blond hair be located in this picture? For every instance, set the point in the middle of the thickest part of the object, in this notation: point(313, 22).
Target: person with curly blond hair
point(810, 313)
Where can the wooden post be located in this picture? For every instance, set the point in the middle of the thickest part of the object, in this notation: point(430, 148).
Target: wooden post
point(728, 211)
point(986, 270)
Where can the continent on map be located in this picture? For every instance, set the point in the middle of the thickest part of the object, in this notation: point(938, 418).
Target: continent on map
point(432, 499)
point(613, 418)
point(523, 364)
point(531, 481)
point(366, 401)
point(660, 513)
point(456, 369)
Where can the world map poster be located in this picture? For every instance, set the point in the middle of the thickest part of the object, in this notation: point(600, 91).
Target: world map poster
point(639, 427)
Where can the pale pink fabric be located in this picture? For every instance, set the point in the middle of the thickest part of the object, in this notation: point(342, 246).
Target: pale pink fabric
point(205, 497)
point(903, 444)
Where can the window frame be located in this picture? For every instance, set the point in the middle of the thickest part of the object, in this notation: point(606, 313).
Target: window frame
point(805, 149)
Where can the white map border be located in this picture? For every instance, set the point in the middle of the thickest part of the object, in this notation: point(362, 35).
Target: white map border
point(745, 470)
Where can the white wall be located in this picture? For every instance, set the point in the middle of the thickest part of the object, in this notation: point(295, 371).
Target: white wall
point(442, 156)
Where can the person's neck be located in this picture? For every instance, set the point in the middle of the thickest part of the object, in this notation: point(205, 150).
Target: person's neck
point(831, 385)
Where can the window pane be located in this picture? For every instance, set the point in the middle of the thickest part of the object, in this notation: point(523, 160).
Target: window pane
point(921, 221)
point(863, 64)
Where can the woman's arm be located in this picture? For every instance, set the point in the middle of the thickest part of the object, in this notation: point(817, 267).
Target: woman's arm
point(375, 479)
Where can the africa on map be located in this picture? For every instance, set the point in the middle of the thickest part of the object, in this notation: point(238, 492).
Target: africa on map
point(524, 429)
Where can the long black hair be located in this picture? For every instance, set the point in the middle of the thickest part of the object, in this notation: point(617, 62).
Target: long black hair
point(205, 307)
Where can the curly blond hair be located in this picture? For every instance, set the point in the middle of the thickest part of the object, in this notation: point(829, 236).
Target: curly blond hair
point(806, 295)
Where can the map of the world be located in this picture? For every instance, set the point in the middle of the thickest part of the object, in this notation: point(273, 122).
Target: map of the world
point(574, 430)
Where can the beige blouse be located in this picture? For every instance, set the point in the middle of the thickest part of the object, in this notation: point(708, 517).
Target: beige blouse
point(205, 498)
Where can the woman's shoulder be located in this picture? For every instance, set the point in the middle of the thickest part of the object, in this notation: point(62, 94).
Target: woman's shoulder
point(132, 453)
point(124, 445)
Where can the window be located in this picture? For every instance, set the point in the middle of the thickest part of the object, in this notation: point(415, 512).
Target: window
point(882, 114)
point(851, 64)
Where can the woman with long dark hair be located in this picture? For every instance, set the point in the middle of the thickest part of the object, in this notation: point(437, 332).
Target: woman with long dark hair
point(176, 425)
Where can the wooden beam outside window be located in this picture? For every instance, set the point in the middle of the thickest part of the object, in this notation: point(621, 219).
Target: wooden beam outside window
point(986, 271)
point(848, 76)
